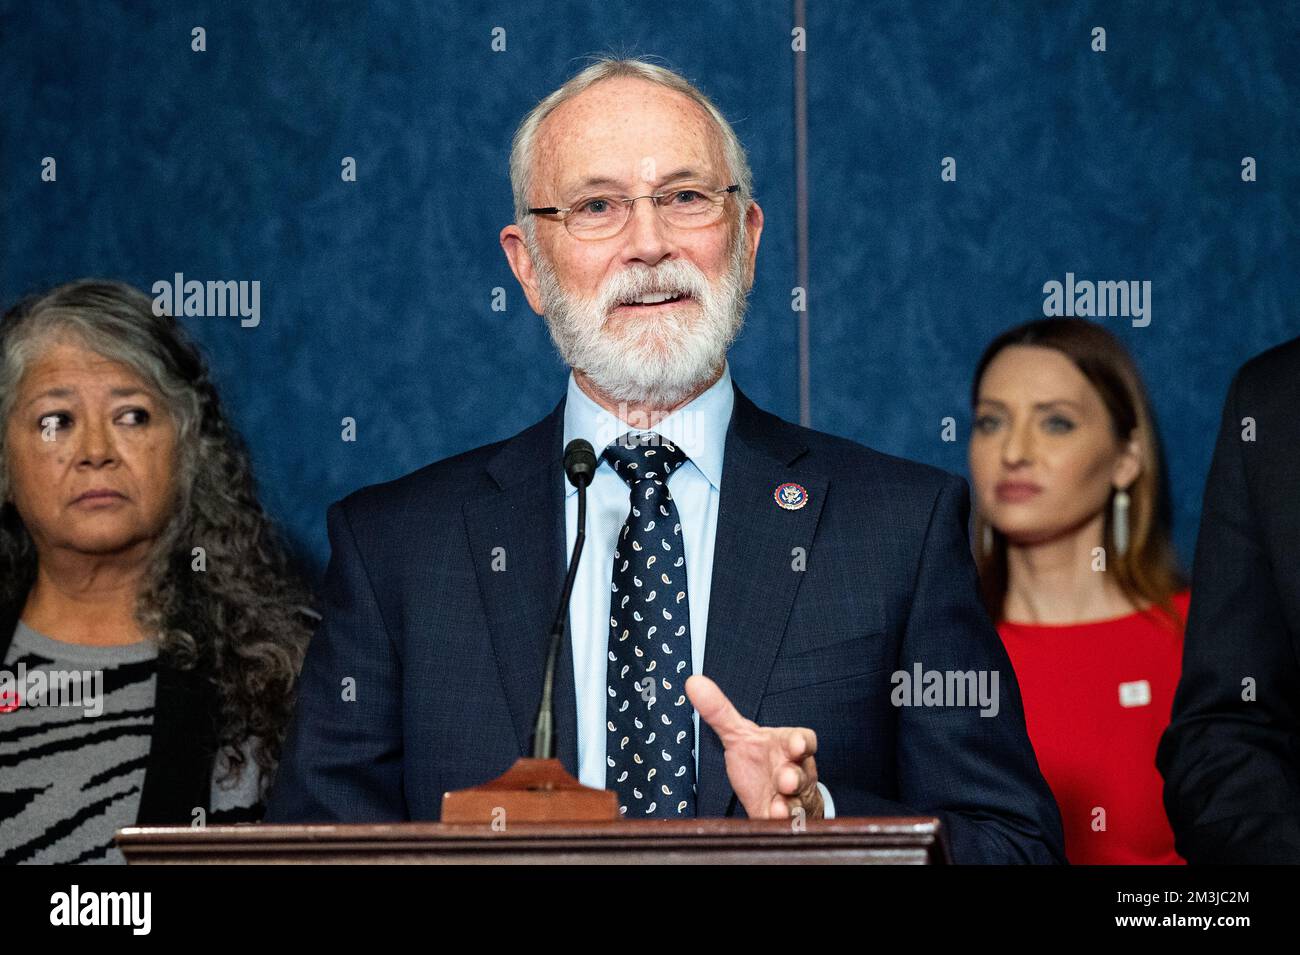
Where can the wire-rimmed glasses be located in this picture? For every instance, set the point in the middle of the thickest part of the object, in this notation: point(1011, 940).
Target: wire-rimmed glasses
point(685, 206)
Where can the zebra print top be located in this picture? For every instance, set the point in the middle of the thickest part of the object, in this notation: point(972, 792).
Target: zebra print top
point(74, 745)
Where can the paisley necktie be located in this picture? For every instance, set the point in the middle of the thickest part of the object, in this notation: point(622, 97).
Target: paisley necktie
point(650, 750)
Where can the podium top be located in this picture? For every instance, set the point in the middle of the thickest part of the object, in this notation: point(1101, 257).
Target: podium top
point(892, 839)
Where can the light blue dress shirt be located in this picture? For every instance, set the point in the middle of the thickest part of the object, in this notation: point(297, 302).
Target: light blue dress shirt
point(699, 429)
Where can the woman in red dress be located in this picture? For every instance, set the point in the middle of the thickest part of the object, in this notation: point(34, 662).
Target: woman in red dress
point(1078, 573)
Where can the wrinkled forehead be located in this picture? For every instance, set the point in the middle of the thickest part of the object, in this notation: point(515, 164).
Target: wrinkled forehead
point(62, 360)
point(626, 136)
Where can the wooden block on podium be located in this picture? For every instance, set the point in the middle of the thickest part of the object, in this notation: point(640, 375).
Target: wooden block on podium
point(532, 790)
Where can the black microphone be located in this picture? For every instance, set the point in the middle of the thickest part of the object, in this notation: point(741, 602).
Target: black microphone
point(579, 466)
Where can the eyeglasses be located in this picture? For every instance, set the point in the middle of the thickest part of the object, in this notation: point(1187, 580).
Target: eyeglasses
point(690, 206)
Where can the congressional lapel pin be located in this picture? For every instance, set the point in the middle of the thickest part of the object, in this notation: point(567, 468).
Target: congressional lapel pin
point(790, 496)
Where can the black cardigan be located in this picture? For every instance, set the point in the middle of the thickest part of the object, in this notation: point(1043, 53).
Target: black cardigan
point(178, 776)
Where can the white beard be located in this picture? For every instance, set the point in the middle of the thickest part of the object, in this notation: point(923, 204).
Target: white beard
point(660, 360)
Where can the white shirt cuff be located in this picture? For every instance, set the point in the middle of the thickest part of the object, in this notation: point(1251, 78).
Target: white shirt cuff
point(830, 803)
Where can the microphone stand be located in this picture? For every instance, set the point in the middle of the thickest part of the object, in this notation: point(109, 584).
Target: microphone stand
point(544, 729)
point(540, 789)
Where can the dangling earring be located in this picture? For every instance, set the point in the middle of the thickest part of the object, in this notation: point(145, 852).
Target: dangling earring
point(1119, 522)
point(986, 538)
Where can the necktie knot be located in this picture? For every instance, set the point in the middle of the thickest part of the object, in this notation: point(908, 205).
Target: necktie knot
point(644, 456)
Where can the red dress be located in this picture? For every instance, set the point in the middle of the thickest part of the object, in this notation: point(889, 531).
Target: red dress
point(1097, 698)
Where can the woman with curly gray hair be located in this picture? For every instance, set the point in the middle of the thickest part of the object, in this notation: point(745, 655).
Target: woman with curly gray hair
point(151, 625)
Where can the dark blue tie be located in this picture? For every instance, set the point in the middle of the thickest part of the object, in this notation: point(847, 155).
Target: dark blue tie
point(650, 748)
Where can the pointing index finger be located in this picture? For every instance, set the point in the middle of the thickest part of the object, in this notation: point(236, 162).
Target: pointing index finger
point(714, 708)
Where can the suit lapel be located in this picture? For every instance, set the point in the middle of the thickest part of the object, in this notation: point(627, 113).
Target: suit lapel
point(754, 580)
point(525, 517)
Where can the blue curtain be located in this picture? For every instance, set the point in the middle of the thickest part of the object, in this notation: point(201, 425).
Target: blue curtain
point(377, 296)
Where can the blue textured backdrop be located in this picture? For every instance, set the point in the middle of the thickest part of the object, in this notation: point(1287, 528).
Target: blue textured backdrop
point(376, 295)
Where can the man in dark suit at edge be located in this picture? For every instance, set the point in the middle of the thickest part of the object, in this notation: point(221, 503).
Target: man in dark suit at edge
point(1231, 754)
point(817, 567)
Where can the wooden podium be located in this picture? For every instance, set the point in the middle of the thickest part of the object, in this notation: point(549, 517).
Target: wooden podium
point(911, 840)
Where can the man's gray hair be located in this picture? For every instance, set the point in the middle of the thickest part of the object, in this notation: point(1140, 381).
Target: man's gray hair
point(524, 145)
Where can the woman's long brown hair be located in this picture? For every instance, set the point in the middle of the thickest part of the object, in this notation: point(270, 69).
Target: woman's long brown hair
point(1148, 571)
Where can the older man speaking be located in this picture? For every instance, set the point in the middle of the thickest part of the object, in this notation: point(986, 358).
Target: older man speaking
point(750, 590)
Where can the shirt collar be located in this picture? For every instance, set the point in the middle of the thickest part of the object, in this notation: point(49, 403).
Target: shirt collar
point(699, 427)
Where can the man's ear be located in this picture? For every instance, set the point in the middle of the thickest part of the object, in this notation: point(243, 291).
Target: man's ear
point(521, 263)
point(753, 231)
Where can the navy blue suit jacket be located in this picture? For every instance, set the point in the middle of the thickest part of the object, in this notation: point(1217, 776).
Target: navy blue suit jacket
point(444, 654)
point(1232, 764)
